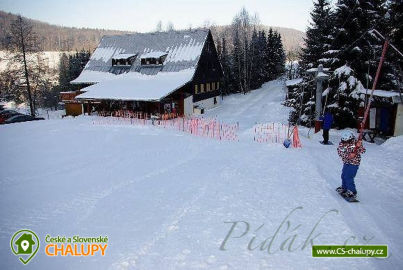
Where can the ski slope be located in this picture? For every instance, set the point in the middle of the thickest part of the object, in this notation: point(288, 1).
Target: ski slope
point(167, 200)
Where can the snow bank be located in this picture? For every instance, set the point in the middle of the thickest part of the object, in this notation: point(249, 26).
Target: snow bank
point(394, 144)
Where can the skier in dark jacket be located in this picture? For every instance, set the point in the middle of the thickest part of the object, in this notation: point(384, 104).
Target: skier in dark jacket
point(350, 151)
point(326, 125)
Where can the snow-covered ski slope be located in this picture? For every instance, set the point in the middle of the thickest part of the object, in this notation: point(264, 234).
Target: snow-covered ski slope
point(168, 200)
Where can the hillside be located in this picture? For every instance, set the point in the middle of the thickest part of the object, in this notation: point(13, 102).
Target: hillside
point(167, 199)
point(60, 38)
point(292, 38)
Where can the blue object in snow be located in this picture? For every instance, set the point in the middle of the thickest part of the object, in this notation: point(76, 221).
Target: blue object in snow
point(287, 143)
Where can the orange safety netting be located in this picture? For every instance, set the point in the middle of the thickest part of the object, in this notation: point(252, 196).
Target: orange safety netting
point(296, 143)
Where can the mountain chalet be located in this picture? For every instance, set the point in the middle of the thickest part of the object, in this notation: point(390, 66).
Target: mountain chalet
point(161, 73)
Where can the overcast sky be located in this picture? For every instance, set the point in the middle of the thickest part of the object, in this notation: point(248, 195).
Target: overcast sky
point(143, 15)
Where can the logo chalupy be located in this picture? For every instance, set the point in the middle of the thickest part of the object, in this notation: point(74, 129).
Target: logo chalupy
point(25, 243)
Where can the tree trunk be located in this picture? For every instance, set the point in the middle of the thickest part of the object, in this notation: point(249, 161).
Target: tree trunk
point(31, 105)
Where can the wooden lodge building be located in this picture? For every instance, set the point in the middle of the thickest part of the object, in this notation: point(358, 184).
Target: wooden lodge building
point(153, 73)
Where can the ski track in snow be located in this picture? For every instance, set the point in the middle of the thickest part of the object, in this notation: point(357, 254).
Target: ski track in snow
point(162, 196)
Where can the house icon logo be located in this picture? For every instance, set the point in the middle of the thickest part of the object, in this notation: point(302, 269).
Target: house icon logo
point(25, 244)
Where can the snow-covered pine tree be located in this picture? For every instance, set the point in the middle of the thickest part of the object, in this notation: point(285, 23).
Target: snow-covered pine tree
point(354, 56)
point(64, 73)
point(316, 51)
point(246, 66)
point(395, 28)
point(263, 57)
point(279, 56)
point(226, 65)
point(237, 64)
point(270, 60)
point(254, 63)
point(318, 35)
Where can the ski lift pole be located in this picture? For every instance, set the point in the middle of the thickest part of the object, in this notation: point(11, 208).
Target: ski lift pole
point(324, 106)
point(378, 71)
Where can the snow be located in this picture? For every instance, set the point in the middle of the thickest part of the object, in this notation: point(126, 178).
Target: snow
point(49, 58)
point(104, 54)
point(185, 52)
point(137, 86)
point(343, 70)
point(165, 199)
point(325, 60)
point(326, 92)
point(331, 51)
point(293, 82)
point(351, 81)
point(155, 54)
point(312, 70)
point(379, 93)
point(124, 55)
point(91, 76)
point(334, 105)
point(342, 86)
point(322, 75)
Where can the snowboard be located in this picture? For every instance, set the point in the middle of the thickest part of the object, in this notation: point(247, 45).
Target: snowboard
point(328, 143)
point(351, 200)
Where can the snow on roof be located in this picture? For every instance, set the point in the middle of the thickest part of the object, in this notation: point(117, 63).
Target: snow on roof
point(90, 77)
point(124, 55)
point(153, 55)
point(183, 49)
point(293, 82)
point(379, 93)
point(139, 87)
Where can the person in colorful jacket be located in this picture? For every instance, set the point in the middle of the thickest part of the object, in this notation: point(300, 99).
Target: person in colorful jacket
point(350, 151)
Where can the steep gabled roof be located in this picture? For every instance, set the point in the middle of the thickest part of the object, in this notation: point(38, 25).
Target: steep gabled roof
point(183, 48)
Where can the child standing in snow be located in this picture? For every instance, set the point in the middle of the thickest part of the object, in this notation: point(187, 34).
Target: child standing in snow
point(350, 151)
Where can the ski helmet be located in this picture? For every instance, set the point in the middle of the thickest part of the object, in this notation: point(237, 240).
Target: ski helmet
point(347, 135)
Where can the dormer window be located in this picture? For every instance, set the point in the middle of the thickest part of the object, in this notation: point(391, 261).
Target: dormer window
point(153, 58)
point(123, 59)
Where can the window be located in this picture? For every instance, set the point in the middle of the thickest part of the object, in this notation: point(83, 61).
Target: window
point(196, 89)
point(218, 85)
point(201, 88)
point(123, 59)
point(207, 87)
point(213, 86)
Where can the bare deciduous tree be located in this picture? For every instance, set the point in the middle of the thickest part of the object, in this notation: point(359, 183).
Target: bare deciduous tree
point(159, 26)
point(170, 26)
point(22, 43)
